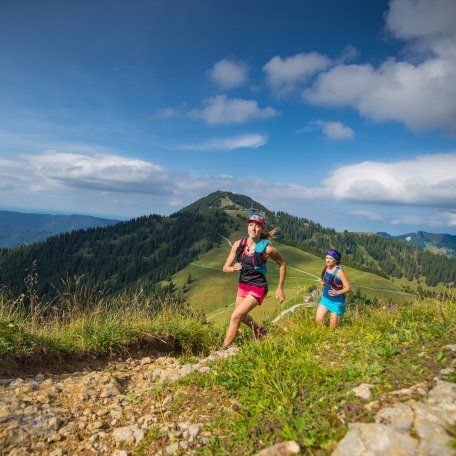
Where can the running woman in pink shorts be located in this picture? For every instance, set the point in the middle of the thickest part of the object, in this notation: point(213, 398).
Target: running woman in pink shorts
point(249, 256)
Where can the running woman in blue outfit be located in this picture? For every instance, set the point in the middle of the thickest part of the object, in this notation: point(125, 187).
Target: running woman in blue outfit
point(335, 287)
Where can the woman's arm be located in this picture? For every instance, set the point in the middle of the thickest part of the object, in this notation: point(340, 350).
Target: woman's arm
point(346, 286)
point(228, 266)
point(280, 260)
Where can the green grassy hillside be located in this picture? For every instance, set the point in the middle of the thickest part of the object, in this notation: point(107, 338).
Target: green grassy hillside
point(213, 291)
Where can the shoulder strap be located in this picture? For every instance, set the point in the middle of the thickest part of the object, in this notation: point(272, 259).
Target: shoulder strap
point(323, 272)
point(261, 245)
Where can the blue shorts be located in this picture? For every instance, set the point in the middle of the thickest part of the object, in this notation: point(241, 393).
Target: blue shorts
point(337, 307)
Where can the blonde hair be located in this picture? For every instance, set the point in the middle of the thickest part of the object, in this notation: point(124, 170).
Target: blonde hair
point(270, 235)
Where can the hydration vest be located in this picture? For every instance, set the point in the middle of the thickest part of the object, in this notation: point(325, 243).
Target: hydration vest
point(259, 262)
point(332, 281)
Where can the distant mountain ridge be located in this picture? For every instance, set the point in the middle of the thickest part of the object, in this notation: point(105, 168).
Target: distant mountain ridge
point(19, 228)
point(432, 242)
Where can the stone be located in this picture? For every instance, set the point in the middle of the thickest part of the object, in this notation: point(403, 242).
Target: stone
point(280, 449)
point(193, 430)
point(172, 449)
point(120, 453)
point(363, 391)
point(186, 369)
point(451, 347)
point(128, 434)
point(146, 360)
point(398, 417)
point(375, 439)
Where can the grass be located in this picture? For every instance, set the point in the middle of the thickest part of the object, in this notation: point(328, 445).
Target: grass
point(296, 384)
point(82, 320)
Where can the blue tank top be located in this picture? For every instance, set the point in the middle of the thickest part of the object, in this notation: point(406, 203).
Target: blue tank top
point(327, 278)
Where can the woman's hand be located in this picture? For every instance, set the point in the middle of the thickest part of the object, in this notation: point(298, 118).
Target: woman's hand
point(333, 292)
point(236, 267)
point(280, 295)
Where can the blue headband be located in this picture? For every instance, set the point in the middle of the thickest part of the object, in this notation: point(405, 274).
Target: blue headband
point(333, 254)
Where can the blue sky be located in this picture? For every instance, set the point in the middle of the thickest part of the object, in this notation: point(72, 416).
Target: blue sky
point(342, 112)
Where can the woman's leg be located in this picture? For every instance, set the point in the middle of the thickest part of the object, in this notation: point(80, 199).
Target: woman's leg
point(247, 318)
point(321, 314)
point(334, 320)
point(239, 314)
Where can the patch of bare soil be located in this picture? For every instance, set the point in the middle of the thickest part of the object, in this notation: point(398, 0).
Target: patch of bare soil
point(53, 363)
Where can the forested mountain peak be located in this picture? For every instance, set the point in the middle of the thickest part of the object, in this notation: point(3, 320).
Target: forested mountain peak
point(226, 200)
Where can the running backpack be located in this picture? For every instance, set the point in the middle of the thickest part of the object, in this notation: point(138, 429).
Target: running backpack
point(332, 281)
point(258, 261)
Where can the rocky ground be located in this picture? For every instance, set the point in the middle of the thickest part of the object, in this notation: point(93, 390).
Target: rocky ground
point(133, 406)
point(109, 412)
point(415, 421)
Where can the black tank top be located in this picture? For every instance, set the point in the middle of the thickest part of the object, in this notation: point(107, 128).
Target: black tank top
point(250, 276)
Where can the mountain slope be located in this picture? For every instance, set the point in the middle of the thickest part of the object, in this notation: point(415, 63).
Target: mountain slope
point(433, 242)
point(17, 228)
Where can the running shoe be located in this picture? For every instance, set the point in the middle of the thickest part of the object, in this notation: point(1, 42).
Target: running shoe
point(259, 332)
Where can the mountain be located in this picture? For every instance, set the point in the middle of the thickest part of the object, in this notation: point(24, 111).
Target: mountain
point(444, 244)
point(432, 242)
point(17, 228)
point(144, 252)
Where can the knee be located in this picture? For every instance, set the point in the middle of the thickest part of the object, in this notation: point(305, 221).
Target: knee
point(236, 317)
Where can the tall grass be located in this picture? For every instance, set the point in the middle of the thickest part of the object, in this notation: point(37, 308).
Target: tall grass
point(81, 319)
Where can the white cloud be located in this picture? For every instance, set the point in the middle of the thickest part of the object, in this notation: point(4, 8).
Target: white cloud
point(223, 110)
point(252, 141)
point(422, 95)
point(334, 130)
point(428, 180)
point(284, 74)
point(167, 113)
point(228, 74)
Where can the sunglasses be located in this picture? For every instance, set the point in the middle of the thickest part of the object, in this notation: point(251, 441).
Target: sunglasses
point(256, 217)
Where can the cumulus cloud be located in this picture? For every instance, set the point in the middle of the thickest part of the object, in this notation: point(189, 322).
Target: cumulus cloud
point(223, 110)
point(333, 130)
point(252, 141)
point(421, 95)
point(228, 74)
point(428, 180)
point(284, 74)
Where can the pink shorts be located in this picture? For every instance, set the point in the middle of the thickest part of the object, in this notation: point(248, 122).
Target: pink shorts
point(258, 293)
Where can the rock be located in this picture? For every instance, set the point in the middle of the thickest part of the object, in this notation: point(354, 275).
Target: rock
point(186, 369)
point(451, 347)
point(193, 430)
point(183, 444)
point(375, 439)
point(447, 371)
point(145, 360)
point(128, 434)
point(120, 453)
point(172, 449)
point(363, 391)
point(398, 417)
point(280, 449)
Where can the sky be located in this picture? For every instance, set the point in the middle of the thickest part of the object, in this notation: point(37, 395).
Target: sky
point(340, 112)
